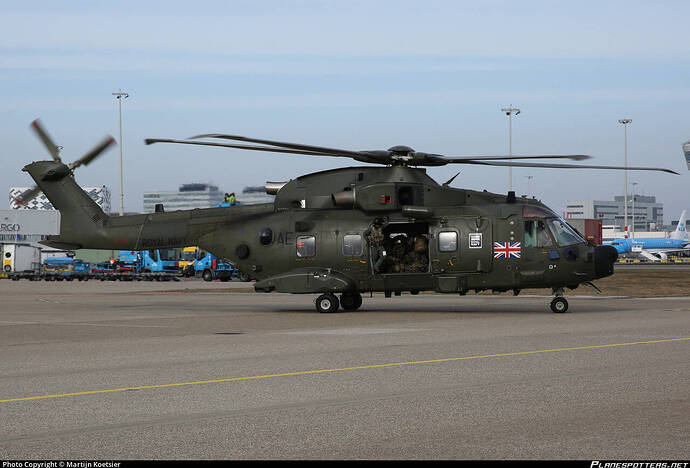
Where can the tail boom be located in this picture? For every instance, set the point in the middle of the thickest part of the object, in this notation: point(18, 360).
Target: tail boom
point(84, 224)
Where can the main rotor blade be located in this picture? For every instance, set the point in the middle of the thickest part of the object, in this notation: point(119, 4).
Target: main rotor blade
point(94, 153)
point(573, 157)
point(567, 166)
point(150, 141)
point(363, 157)
point(297, 146)
point(47, 141)
point(27, 195)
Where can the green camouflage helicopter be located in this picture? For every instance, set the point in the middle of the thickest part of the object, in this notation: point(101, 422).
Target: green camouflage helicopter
point(385, 228)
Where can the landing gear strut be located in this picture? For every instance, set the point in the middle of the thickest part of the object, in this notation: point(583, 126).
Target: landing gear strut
point(559, 304)
point(327, 303)
point(350, 301)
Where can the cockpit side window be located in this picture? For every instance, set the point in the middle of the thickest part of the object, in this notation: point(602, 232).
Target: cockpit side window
point(537, 234)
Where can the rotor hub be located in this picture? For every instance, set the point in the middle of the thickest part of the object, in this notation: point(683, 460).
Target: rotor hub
point(401, 149)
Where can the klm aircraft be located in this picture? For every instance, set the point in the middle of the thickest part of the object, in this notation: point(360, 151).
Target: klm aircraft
point(655, 248)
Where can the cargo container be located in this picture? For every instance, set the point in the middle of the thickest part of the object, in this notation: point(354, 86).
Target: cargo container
point(590, 229)
point(20, 257)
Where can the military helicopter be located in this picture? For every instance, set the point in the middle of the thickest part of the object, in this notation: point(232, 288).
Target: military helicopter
point(387, 227)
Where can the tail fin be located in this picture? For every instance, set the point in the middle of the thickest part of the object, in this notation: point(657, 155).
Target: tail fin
point(681, 232)
point(81, 217)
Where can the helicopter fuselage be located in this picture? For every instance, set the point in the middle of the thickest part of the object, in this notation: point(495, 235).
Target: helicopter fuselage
point(354, 230)
point(432, 237)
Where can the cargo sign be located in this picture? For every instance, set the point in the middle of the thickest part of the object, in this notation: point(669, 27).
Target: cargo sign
point(29, 222)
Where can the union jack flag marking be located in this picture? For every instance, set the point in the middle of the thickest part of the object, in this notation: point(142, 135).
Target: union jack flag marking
point(507, 250)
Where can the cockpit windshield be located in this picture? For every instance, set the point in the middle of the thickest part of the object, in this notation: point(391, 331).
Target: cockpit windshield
point(188, 256)
point(564, 234)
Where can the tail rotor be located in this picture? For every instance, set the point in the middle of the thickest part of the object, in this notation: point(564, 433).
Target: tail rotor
point(28, 195)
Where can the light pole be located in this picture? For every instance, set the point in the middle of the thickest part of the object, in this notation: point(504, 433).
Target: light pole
point(625, 123)
point(119, 96)
point(633, 208)
point(510, 110)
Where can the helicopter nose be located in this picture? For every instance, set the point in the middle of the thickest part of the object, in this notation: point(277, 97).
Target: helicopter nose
point(604, 258)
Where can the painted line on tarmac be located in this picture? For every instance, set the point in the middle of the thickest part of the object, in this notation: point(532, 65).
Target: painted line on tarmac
point(342, 369)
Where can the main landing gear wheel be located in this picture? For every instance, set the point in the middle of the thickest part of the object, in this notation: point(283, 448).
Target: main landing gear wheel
point(350, 301)
point(559, 305)
point(327, 303)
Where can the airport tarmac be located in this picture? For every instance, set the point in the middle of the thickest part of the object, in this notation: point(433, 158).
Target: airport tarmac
point(189, 370)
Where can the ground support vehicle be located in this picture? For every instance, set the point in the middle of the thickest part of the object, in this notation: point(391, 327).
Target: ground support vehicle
point(119, 270)
point(56, 269)
point(196, 262)
point(148, 261)
point(65, 269)
point(209, 267)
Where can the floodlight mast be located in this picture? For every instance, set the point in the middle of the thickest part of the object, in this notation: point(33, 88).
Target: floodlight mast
point(633, 209)
point(119, 96)
point(625, 123)
point(510, 110)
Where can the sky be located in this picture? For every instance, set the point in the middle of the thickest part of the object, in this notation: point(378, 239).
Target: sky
point(432, 75)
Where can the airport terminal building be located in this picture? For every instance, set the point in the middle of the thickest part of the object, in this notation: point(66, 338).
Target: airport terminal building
point(28, 226)
point(649, 215)
point(188, 197)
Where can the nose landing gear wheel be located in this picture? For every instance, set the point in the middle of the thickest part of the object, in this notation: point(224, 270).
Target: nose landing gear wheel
point(327, 303)
point(559, 305)
point(350, 301)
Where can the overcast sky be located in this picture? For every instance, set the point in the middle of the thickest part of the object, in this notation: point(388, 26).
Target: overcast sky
point(432, 75)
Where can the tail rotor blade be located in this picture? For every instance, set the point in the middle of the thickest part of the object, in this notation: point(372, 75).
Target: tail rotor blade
point(45, 138)
point(28, 195)
point(94, 153)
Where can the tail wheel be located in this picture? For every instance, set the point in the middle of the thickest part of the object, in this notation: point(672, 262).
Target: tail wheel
point(207, 275)
point(559, 305)
point(327, 303)
point(245, 277)
point(351, 301)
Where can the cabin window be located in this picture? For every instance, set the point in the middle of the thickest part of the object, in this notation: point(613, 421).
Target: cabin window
point(306, 246)
point(536, 234)
point(448, 241)
point(352, 245)
point(406, 196)
point(266, 236)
